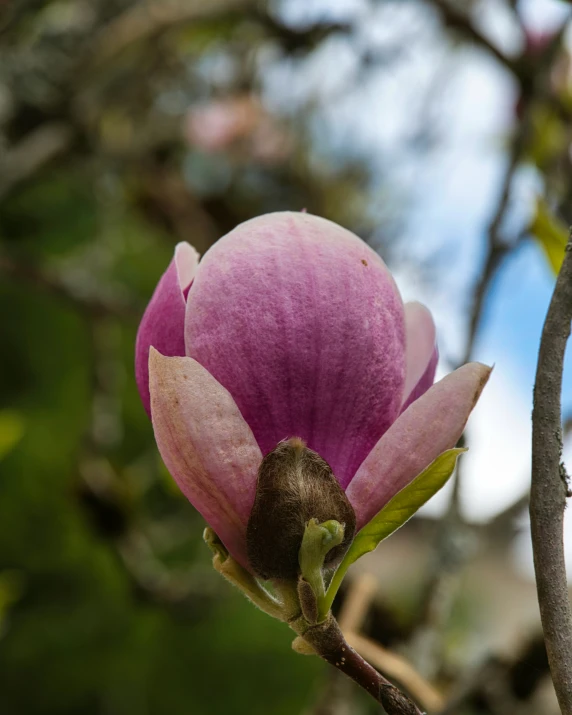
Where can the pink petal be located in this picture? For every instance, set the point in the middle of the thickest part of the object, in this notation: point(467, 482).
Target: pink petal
point(162, 325)
point(420, 352)
point(427, 379)
point(428, 427)
point(206, 445)
point(302, 322)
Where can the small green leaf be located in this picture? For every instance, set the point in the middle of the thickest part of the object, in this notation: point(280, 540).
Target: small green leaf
point(551, 233)
point(548, 136)
point(393, 515)
point(404, 504)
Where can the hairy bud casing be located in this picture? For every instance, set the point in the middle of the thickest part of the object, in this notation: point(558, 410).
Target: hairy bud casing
point(294, 485)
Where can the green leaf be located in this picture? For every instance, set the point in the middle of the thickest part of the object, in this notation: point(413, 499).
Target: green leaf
point(548, 136)
point(551, 233)
point(404, 504)
point(11, 431)
point(11, 589)
point(393, 515)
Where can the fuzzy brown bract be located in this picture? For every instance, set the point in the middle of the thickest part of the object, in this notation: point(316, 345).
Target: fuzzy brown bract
point(294, 485)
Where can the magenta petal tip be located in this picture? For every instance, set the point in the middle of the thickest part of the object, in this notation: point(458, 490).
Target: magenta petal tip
point(162, 325)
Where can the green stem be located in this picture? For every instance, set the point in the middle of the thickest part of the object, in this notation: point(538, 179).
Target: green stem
point(317, 541)
point(234, 573)
point(326, 601)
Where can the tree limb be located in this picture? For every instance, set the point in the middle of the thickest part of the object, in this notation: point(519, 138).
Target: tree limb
point(329, 643)
point(550, 488)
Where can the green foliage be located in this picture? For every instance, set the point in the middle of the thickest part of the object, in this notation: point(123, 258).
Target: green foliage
point(549, 136)
point(11, 430)
point(48, 218)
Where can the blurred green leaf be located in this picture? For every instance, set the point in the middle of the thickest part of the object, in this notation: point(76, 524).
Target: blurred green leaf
point(11, 589)
point(11, 430)
point(551, 233)
point(49, 215)
point(549, 136)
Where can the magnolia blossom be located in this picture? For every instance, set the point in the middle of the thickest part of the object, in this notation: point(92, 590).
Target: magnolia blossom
point(291, 326)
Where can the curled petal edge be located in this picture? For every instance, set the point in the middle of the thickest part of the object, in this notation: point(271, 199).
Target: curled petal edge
point(163, 323)
point(421, 352)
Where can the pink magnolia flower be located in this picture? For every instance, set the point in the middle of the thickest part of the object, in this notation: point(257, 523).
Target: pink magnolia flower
point(291, 326)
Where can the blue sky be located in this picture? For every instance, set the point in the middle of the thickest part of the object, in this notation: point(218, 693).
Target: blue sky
point(518, 303)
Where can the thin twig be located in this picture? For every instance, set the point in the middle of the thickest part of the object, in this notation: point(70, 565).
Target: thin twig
point(329, 643)
point(454, 534)
point(497, 247)
point(550, 488)
point(458, 20)
point(144, 19)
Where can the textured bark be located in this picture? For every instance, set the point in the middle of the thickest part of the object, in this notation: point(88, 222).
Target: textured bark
point(328, 641)
point(550, 488)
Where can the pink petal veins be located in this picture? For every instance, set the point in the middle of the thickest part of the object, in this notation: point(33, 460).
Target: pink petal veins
point(302, 322)
point(206, 445)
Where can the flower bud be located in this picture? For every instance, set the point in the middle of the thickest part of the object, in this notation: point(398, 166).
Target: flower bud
point(294, 486)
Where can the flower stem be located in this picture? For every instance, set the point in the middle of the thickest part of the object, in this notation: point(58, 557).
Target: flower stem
point(325, 601)
point(329, 643)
